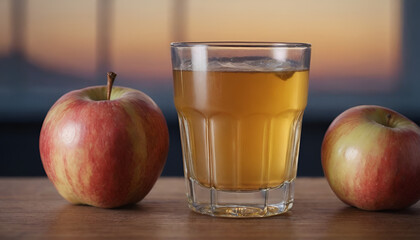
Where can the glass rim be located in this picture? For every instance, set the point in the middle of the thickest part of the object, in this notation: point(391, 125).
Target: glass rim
point(242, 44)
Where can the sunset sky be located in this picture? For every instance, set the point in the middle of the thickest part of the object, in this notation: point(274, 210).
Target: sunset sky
point(353, 40)
point(364, 52)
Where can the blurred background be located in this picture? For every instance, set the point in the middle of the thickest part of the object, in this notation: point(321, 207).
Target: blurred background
point(363, 52)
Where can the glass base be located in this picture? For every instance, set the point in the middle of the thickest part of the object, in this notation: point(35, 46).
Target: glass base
point(240, 204)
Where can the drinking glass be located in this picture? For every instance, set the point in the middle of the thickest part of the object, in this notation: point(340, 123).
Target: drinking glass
point(240, 108)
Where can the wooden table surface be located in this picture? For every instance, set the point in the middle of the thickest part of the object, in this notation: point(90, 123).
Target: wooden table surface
point(30, 208)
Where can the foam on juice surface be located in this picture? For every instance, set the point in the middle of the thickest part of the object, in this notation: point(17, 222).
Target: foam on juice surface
point(242, 64)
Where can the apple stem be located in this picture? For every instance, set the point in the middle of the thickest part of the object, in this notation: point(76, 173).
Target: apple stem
point(388, 118)
point(111, 78)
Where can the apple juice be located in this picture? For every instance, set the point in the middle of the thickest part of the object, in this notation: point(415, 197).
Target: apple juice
point(240, 130)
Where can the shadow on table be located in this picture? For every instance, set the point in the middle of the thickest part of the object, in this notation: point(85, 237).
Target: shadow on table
point(352, 222)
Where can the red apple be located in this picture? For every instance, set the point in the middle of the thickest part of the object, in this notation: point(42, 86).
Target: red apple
point(104, 151)
point(371, 158)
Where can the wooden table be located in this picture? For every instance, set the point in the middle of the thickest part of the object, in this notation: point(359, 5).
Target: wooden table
point(30, 208)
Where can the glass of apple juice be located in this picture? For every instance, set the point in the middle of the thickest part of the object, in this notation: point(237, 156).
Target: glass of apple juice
point(240, 108)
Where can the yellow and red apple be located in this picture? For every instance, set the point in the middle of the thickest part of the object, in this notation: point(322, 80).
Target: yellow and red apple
point(104, 152)
point(371, 158)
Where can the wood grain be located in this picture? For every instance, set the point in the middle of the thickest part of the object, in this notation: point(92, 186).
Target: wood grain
point(30, 208)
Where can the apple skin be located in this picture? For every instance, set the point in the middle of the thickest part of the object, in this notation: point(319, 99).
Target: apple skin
point(104, 153)
point(371, 158)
